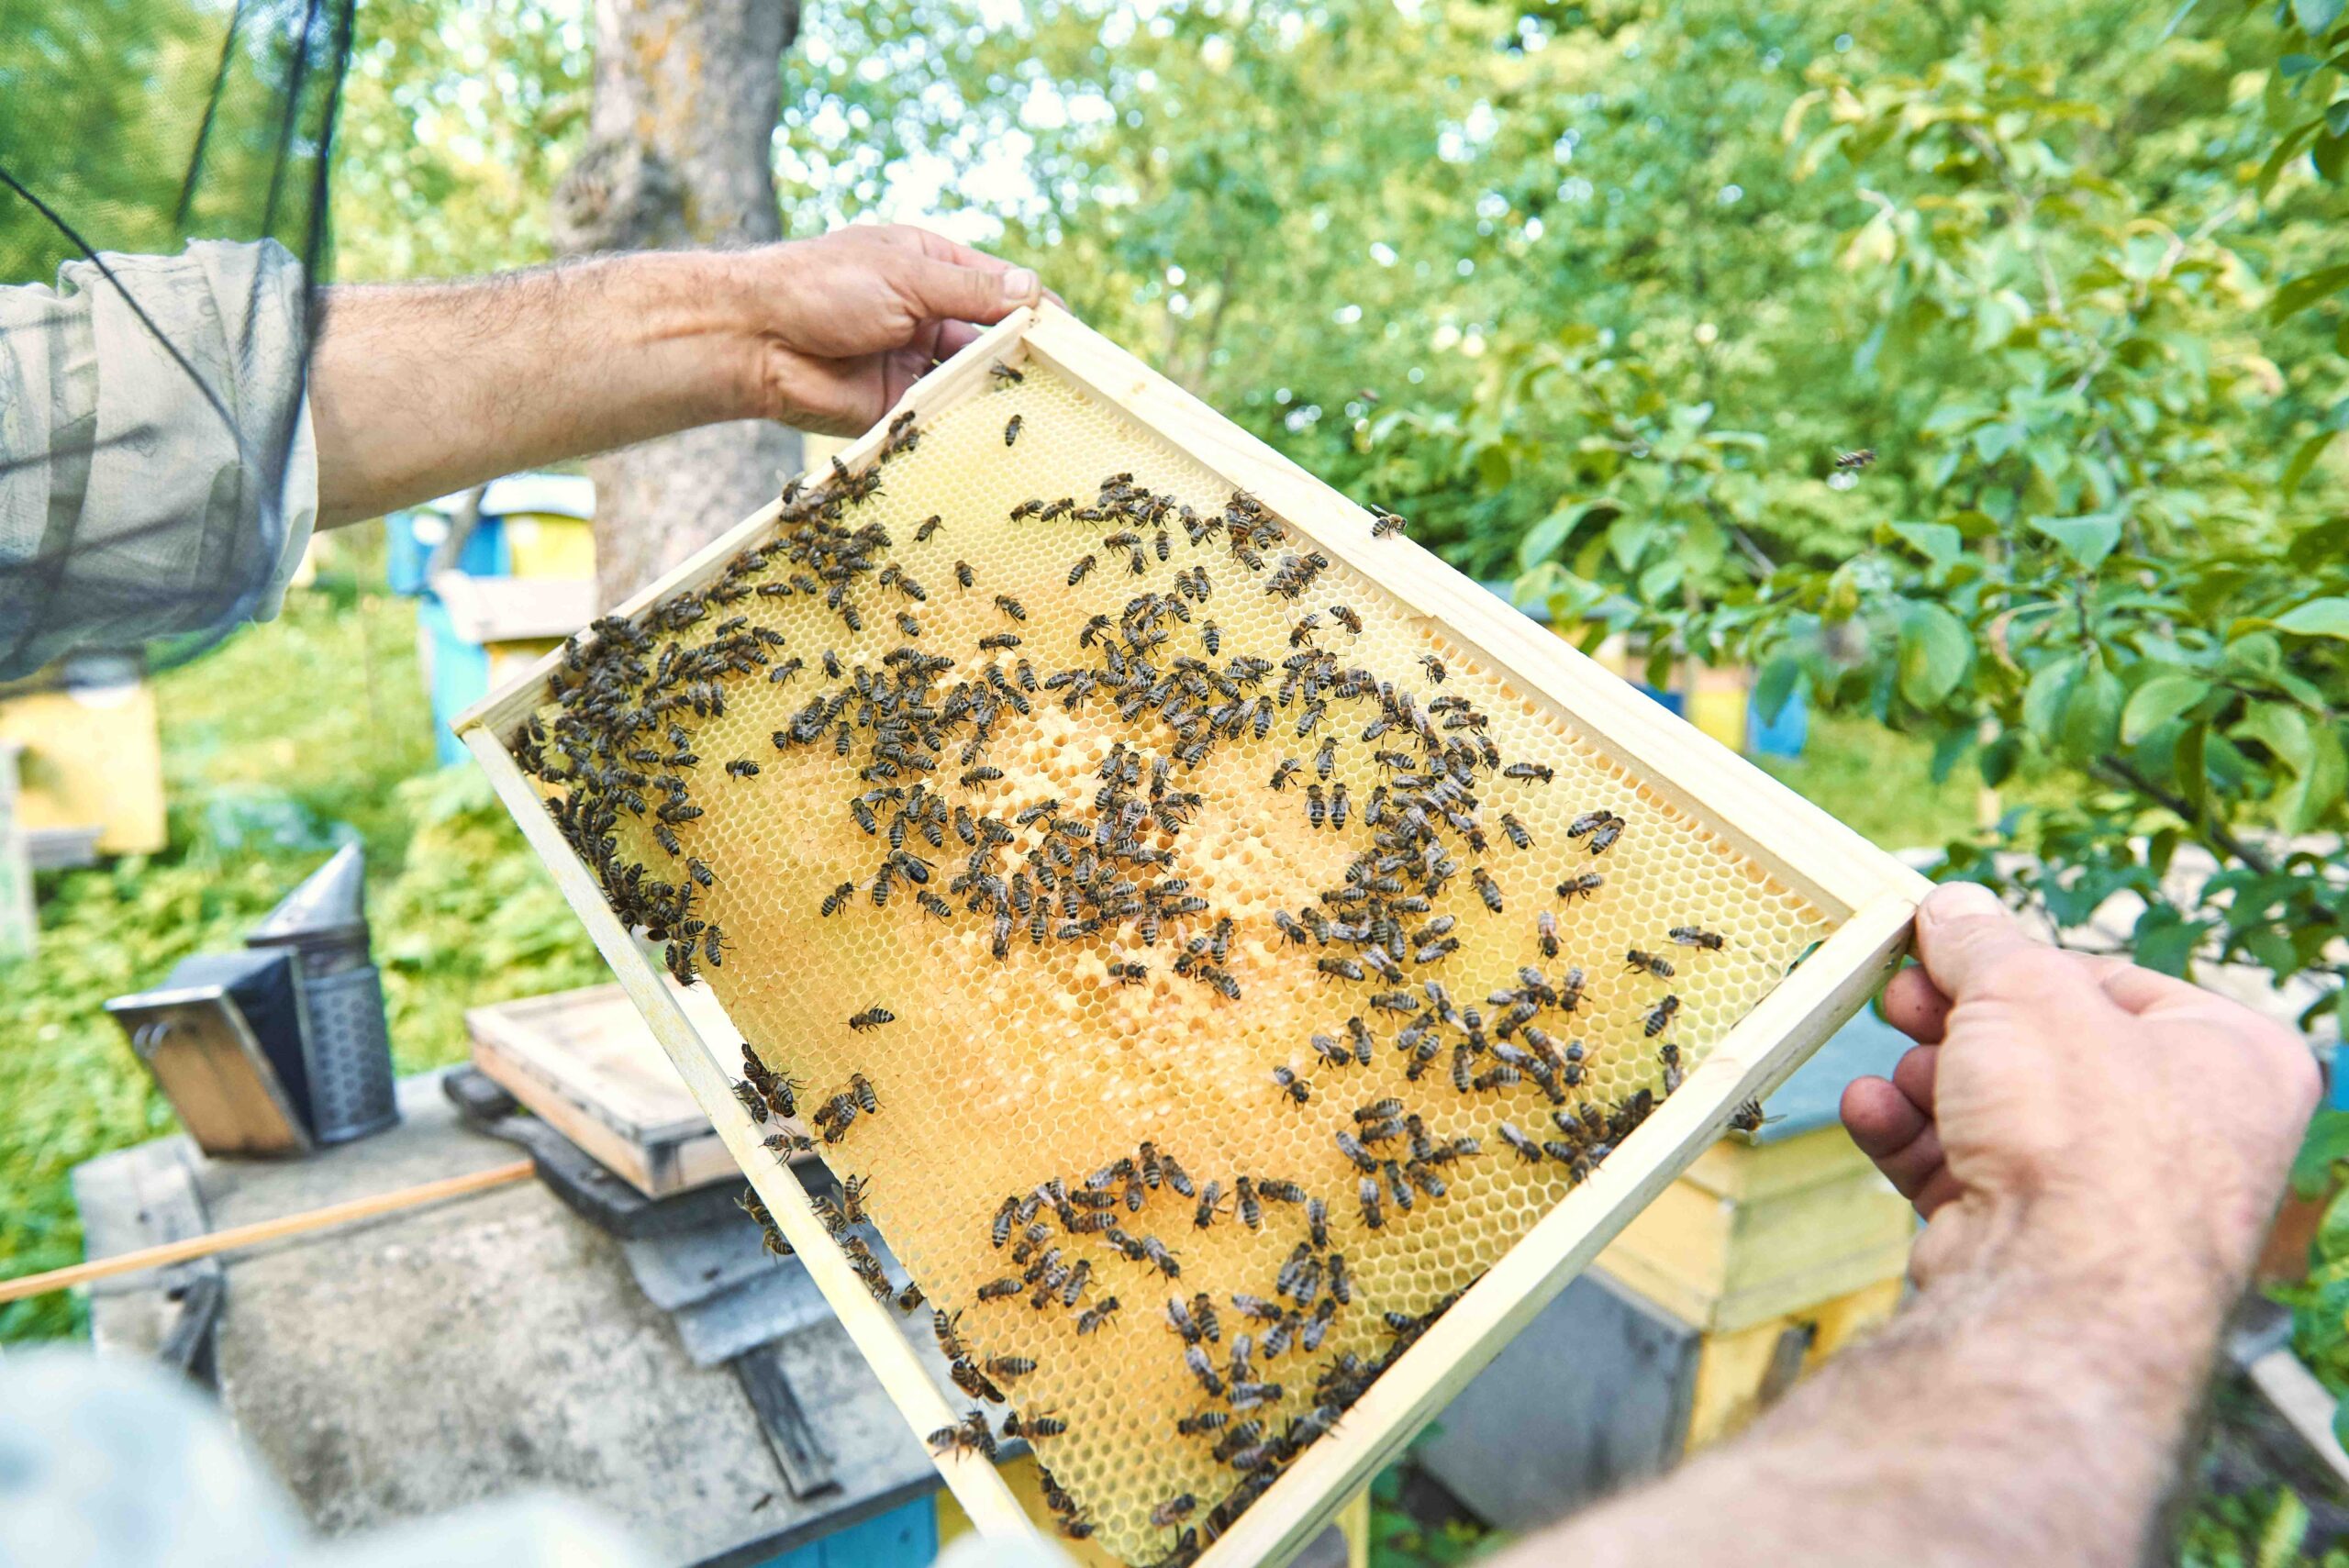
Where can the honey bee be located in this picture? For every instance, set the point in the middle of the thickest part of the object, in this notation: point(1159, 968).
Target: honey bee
point(1372, 1215)
point(1042, 1425)
point(1384, 522)
point(1006, 374)
point(1176, 1177)
point(1640, 962)
point(1078, 572)
point(1338, 805)
point(1317, 806)
point(1545, 928)
point(1669, 1054)
point(1009, 1368)
point(1011, 430)
point(906, 624)
point(1487, 888)
point(1523, 1147)
point(1697, 937)
point(997, 1289)
point(1174, 1510)
point(999, 642)
point(861, 1087)
point(1077, 1280)
point(1534, 771)
point(1660, 1017)
point(1603, 838)
point(1210, 1204)
point(1325, 760)
point(1204, 1423)
point(1011, 606)
point(1516, 831)
point(1345, 616)
point(931, 525)
point(1748, 1117)
point(911, 1299)
point(1285, 771)
point(1212, 636)
point(999, 1229)
point(963, 574)
point(1251, 1211)
point(1581, 886)
point(1852, 462)
point(1297, 1089)
point(873, 1017)
point(753, 1101)
point(1351, 1147)
point(1092, 1317)
point(968, 1436)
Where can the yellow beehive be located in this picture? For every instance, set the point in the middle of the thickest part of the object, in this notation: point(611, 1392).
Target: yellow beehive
point(1035, 782)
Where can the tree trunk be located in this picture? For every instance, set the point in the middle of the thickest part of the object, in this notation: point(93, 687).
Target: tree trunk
point(679, 139)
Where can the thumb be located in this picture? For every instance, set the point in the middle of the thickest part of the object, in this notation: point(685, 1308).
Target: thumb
point(944, 291)
point(1964, 934)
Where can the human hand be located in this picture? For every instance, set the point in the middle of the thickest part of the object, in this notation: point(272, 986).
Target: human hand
point(2080, 1105)
point(839, 327)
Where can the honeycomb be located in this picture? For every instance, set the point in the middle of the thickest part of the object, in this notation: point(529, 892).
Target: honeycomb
point(1178, 930)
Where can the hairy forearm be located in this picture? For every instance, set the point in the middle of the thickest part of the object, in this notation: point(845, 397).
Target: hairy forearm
point(417, 390)
point(2030, 1410)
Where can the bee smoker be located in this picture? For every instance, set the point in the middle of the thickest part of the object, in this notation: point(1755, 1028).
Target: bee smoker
point(346, 1043)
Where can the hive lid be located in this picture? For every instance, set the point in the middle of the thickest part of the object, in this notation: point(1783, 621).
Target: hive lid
point(331, 905)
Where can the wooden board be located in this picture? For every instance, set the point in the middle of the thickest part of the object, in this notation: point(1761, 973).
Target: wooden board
point(1873, 897)
point(584, 1062)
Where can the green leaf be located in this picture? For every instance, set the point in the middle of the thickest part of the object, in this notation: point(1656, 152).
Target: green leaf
point(2043, 699)
point(1774, 685)
point(1935, 652)
point(2188, 762)
point(2283, 729)
point(2319, 787)
point(2087, 539)
point(2157, 702)
point(2306, 289)
point(2316, 17)
point(2304, 459)
point(2317, 617)
point(2332, 1230)
point(2323, 1146)
point(1999, 758)
point(1937, 542)
point(2288, 1527)
point(1627, 539)
point(2164, 943)
point(2091, 720)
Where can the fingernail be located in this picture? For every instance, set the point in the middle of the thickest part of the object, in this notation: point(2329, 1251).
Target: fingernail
point(1019, 287)
point(1962, 900)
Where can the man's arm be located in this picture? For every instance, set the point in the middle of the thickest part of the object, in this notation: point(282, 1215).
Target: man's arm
point(417, 390)
point(2098, 1150)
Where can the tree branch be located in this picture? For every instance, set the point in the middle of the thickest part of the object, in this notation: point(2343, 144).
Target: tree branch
point(2119, 771)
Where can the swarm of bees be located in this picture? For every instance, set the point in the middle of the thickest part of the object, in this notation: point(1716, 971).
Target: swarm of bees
point(1422, 846)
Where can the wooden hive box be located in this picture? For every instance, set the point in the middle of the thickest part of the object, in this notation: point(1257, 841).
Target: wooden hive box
point(1819, 916)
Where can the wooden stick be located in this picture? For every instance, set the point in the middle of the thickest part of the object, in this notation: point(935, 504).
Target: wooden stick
point(262, 1231)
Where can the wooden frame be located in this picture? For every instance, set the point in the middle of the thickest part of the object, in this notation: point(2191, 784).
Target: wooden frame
point(1870, 896)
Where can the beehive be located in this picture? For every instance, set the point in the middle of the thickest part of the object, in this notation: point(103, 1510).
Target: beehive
point(1035, 789)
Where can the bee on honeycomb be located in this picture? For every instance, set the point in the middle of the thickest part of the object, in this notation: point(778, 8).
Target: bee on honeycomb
point(1236, 961)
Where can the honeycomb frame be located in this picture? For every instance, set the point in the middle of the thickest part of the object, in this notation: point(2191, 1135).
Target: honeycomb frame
point(1867, 898)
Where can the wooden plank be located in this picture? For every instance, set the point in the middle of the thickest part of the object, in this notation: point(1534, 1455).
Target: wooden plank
point(873, 1328)
point(1810, 851)
point(1788, 1024)
point(965, 373)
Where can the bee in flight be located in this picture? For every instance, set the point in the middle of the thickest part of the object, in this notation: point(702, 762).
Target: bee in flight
point(1852, 462)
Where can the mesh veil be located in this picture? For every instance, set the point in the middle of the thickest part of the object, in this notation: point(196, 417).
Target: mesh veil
point(129, 128)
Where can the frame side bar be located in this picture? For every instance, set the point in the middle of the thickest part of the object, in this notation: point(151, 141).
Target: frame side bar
point(983, 1494)
point(1785, 1028)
